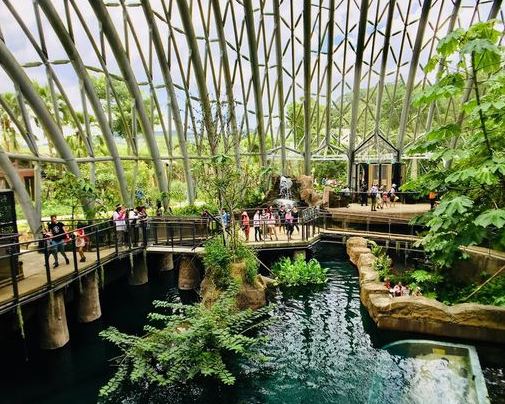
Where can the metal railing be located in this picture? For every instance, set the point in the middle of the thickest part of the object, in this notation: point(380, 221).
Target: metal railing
point(26, 268)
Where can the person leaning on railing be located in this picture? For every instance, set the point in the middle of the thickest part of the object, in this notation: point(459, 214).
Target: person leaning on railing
point(118, 218)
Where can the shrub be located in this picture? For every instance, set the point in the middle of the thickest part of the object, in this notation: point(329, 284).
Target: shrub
point(184, 342)
point(299, 272)
point(218, 257)
point(382, 266)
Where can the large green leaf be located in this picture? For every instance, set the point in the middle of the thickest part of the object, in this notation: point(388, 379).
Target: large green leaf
point(458, 204)
point(495, 217)
point(448, 45)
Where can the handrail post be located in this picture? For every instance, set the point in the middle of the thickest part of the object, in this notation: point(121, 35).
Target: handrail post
point(155, 227)
point(74, 254)
point(116, 243)
point(46, 263)
point(180, 235)
point(97, 243)
point(193, 230)
point(12, 260)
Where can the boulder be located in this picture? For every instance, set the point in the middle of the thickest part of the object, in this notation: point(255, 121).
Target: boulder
point(366, 260)
point(356, 252)
point(355, 242)
point(249, 296)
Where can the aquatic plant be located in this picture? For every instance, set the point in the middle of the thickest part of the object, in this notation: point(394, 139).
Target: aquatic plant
point(184, 342)
point(299, 271)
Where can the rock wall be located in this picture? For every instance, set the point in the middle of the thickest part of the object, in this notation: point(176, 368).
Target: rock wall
point(420, 314)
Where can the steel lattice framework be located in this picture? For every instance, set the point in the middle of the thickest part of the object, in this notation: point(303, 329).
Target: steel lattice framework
point(232, 76)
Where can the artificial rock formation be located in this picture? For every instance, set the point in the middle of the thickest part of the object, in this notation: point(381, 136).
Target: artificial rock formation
point(249, 296)
point(420, 314)
point(307, 192)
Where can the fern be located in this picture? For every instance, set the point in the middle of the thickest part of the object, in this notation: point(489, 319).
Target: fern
point(184, 342)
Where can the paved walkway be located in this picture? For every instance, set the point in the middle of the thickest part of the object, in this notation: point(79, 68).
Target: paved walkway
point(34, 270)
point(399, 210)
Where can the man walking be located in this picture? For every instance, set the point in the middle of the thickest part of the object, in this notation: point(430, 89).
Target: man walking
point(373, 197)
point(58, 233)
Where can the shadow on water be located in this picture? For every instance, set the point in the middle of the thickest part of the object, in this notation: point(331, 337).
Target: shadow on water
point(324, 348)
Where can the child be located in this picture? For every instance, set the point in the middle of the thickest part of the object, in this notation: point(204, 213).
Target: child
point(80, 241)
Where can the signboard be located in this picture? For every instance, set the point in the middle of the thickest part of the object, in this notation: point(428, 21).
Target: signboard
point(8, 224)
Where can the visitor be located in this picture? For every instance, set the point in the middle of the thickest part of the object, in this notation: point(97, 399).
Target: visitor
point(282, 214)
point(397, 290)
point(159, 209)
point(392, 196)
point(271, 223)
point(132, 223)
point(387, 283)
point(289, 224)
point(257, 225)
point(80, 241)
point(385, 197)
point(224, 219)
point(57, 242)
point(417, 292)
point(406, 291)
point(363, 193)
point(118, 218)
point(295, 214)
point(264, 225)
point(373, 197)
point(380, 191)
point(245, 224)
point(432, 196)
point(144, 223)
point(346, 196)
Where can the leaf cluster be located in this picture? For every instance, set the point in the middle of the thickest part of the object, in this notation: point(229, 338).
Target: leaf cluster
point(217, 258)
point(299, 272)
point(468, 153)
point(183, 343)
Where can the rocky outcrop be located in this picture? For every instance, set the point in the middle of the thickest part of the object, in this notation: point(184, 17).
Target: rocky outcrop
point(420, 314)
point(307, 192)
point(252, 296)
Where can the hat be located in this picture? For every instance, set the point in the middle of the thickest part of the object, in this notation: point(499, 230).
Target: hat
point(118, 205)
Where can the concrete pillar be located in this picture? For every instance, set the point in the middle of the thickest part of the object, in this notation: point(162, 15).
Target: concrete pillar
point(138, 274)
point(53, 322)
point(189, 275)
point(301, 253)
point(88, 300)
point(167, 262)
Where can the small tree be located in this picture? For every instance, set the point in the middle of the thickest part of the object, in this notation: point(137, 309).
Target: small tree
point(469, 152)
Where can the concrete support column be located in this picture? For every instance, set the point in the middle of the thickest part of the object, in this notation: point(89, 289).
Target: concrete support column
point(53, 322)
point(300, 253)
point(167, 262)
point(189, 275)
point(88, 300)
point(138, 274)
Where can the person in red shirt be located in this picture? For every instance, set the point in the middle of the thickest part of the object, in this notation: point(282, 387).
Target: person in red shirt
point(245, 224)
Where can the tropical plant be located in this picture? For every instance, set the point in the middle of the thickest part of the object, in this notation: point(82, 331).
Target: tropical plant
point(184, 342)
point(218, 257)
point(382, 264)
point(468, 151)
point(299, 272)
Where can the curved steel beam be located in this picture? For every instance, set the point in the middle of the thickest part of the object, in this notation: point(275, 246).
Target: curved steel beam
point(18, 76)
point(81, 72)
point(30, 212)
point(172, 97)
point(306, 85)
point(189, 32)
point(227, 79)
point(416, 51)
point(253, 56)
point(124, 65)
point(360, 46)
